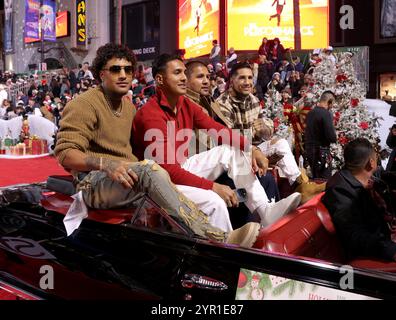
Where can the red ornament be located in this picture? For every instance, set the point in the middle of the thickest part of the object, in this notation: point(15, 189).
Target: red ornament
point(364, 125)
point(355, 102)
point(343, 140)
point(276, 123)
point(337, 117)
point(341, 78)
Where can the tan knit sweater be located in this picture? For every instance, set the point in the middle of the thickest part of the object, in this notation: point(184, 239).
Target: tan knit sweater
point(89, 125)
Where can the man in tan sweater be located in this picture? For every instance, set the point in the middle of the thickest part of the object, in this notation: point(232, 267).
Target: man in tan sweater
point(94, 145)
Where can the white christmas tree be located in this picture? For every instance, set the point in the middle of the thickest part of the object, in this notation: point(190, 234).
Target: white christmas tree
point(351, 117)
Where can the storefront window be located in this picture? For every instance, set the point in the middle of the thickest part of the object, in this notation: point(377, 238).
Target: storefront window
point(388, 86)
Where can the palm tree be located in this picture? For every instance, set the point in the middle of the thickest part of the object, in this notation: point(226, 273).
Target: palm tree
point(297, 25)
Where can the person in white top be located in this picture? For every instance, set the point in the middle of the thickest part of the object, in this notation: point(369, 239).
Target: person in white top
point(88, 73)
point(231, 59)
point(215, 53)
point(3, 94)
point(329, 53)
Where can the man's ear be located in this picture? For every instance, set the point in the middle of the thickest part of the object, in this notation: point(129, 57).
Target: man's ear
point(159, 79)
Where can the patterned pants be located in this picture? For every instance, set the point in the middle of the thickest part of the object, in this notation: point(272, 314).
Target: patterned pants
point(100, 192)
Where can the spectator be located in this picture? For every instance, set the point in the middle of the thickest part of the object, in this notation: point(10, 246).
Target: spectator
point(264, 48)
point(319, 134)
point(3, 94)
point(232, 59)
point(277, 51)
point(297, 64)
point(391, 142)
point(329, 54)
point(264, 74)
point(215, 53)
point(357, 215)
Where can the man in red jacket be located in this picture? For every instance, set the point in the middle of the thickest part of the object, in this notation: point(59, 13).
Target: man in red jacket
point(162, 130)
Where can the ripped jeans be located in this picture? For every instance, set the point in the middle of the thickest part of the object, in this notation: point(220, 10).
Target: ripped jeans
point(100, 192)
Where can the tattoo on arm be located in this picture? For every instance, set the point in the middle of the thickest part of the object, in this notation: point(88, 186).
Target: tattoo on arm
point(92, 163)
point(108, 165)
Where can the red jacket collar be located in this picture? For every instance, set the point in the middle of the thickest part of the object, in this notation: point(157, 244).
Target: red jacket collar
point(163, 100)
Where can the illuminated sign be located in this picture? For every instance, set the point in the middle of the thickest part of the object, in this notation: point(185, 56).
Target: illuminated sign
point(198, 26)
point(81, 22)
point(249, 21)
point(62, 28)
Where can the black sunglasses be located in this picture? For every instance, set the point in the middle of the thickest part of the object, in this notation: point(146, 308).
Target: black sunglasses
point(117, 69)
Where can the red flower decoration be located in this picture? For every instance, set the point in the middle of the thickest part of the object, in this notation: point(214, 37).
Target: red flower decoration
point(364, 125)
point(355, 102)
point(337, 117)
point(276, 123)
point(341, 78)
point(343, 140)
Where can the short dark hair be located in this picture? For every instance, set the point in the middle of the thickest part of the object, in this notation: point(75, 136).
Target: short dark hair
point(108, 52)
point(357, 153)
point(190, 66)
point(159, 63)
point(327, 96)
point(215, 41)
point(237, 66)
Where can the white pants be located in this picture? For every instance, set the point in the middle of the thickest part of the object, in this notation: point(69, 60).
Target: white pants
point(288, 167)
point(211, 165)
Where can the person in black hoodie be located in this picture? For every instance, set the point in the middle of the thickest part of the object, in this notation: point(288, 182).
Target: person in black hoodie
point(391, 142)
point(319, 134)
point(362, 223)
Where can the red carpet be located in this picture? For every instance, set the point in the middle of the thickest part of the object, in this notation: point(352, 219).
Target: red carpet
point(28, 170)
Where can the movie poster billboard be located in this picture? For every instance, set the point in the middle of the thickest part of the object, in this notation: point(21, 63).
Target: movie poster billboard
point(33, 23)
point(199, 22)
point(8, 27)
point(32, 17)
point(49, 20)
point(62, 28)
point(249, 21)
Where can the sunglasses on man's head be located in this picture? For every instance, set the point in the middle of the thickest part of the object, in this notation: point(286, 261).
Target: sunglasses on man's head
point(117, 69)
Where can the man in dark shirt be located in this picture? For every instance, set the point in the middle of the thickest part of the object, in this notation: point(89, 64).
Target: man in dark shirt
point(319, 134)
point(359, 221)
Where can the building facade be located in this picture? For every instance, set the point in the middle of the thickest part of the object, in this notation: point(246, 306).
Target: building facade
point(65, 51)
point(148, 27)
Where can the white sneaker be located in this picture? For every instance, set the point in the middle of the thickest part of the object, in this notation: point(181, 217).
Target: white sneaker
point(274, 211)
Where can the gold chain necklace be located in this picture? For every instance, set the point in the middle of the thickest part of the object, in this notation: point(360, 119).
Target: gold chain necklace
point(117, 113)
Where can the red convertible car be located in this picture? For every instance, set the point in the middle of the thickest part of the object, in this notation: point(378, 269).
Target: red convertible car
point(142, 253)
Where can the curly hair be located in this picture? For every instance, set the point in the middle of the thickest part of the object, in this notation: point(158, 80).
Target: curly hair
point(108, 52)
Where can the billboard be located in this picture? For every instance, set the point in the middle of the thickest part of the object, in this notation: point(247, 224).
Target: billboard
point(8, 27)
point(81, 22)
point(199, 22)
point(249, 21)
point(32, 31)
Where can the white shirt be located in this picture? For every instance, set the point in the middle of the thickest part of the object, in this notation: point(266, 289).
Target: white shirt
point(230, 59)
point(3, 96)
point(89, 74)
point(216, 52)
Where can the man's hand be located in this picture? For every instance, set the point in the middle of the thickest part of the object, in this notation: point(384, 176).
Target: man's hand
point(259, 162)
point(120, 171)
point(227, 194)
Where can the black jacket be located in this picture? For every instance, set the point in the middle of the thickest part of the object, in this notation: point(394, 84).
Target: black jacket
point(319, 131)
point(359, 222)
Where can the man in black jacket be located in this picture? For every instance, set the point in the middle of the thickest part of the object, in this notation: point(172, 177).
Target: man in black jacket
point(360, 221)
point(319, 134)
